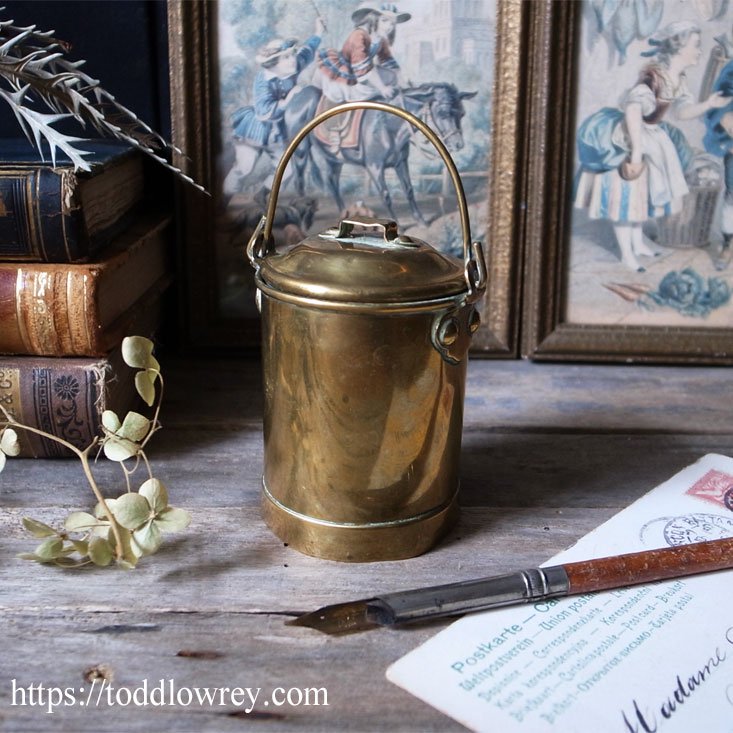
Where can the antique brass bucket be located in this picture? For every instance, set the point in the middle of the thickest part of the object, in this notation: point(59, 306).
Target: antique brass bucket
point(364, 348)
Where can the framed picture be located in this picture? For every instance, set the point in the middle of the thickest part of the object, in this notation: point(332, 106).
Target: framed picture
point(245, 76)
point(629, 217)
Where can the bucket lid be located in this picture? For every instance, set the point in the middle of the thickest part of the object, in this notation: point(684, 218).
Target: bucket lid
point(364, 261)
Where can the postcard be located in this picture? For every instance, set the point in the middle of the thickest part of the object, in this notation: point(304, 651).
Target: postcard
point(642, 659)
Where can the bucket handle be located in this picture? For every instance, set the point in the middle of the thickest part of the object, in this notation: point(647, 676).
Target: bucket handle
point(261, 243)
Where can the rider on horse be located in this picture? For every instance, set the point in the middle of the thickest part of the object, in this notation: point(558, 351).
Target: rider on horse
point(364, 68)
point(260, 128)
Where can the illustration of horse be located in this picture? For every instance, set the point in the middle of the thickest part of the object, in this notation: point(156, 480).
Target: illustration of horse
point(383, 141)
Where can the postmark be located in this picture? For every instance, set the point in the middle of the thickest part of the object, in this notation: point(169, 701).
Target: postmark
point(728, 499)
point(686, 529)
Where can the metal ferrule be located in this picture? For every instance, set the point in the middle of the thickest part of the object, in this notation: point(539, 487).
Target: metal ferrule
point(475, 595)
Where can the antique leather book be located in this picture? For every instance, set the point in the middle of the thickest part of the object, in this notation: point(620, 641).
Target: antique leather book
point(55, 214)
point(67, 396)
point(82, 309)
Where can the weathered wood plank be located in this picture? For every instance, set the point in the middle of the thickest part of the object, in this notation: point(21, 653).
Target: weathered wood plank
point(596, 397)
point(549, 452)
point(228, 560)
point(255, 651)
point(559, 470)
point(516, 395)
point(498, 469)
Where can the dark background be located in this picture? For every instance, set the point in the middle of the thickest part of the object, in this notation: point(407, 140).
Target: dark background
point(124, 43)
point(125, 46)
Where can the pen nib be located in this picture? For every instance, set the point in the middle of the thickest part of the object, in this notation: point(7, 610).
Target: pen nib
point(341, 618)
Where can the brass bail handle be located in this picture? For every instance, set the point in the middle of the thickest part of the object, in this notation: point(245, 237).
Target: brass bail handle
point(261, 243)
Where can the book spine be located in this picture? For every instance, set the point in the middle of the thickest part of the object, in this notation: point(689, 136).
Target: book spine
point(40, 219)
point(67, 396)
point(65, 399)
point(50, 311)
point(76, 309)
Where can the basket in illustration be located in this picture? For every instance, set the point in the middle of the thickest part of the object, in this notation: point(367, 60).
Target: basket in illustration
point(691, 226)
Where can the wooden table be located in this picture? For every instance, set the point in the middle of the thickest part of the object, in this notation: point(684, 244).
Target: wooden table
point(549, 452)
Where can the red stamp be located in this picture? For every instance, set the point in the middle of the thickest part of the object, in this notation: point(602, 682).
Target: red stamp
point(713, 487)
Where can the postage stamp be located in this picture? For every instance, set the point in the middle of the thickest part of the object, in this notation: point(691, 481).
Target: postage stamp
point(714, 487)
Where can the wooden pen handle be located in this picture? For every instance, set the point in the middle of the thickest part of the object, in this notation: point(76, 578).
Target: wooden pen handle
point(648, 566)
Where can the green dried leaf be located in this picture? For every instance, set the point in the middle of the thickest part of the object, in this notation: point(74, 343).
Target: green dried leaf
point(119, 449)
point(70, 562)
point(131, 510)
point(9, 443)
point(100, 530)
point(135, 550)
point(137, 352)
point(50, 549)
point(99, 512)
point(156, 494)
point(3, 460)
point(81, 546)
point(128, 554)
point(80, 522)
point(134, 427)
point(111, 421)
point(100, 552)
point(38, 529)
point(30, 556)
point(145, 386)
point(172, 519)
point(147, 538)
point(126, 564)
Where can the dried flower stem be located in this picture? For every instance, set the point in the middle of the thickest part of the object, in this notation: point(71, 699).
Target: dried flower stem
point(137, 519)
point(83, 456)
point(154, 422)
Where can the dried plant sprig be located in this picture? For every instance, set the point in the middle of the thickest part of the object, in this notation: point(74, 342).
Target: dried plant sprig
point(34, 67)
point(122, 529)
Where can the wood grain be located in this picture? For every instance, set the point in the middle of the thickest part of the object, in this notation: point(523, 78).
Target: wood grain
point(549, 453)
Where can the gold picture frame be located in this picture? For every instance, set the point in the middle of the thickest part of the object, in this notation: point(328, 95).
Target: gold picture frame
point(196, 124)
point(656, 309)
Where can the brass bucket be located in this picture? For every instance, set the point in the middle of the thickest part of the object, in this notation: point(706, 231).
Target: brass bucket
point(365, 335)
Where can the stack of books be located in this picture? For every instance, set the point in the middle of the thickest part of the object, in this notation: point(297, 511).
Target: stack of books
point(84, 262)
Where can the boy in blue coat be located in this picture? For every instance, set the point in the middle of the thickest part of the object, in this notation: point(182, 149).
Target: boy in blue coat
point(718, 141)
point(260, 128)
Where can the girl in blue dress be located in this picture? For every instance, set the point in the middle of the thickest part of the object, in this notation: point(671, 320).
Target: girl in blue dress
point(631, 160)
